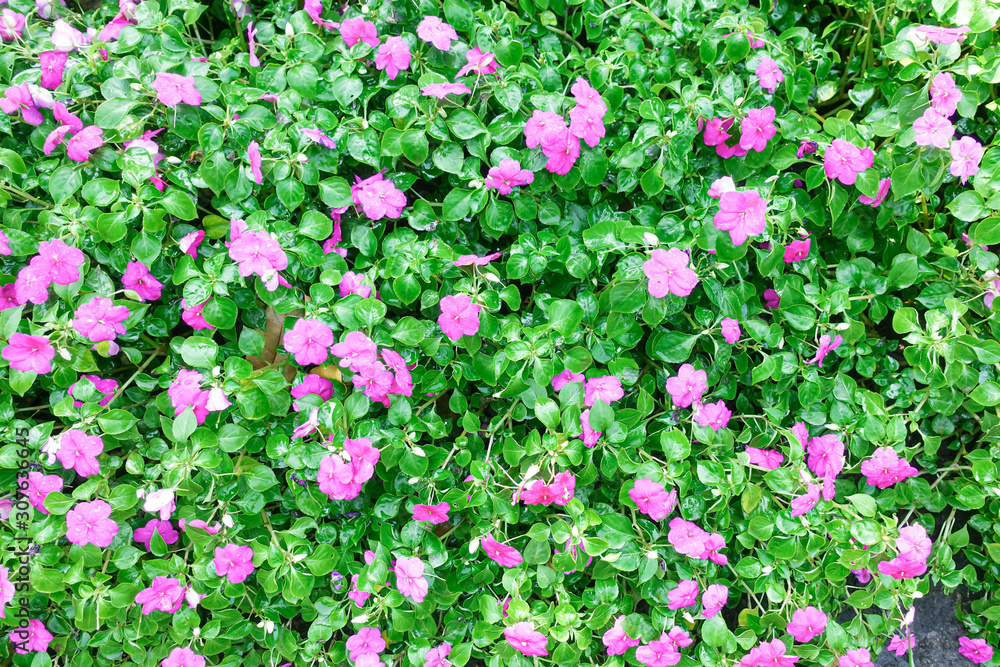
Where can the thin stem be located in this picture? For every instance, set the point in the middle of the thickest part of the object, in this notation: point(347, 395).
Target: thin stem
point(660, 22)
point(25, 195)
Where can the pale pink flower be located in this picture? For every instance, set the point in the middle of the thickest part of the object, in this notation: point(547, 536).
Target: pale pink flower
point(165, 594)
point(257, 253)
point(433, 514)
point(505, 555)
point(945, 95)
point(18, 98)
point(53, 64)
point(540, 125)
point(914, 540)
point(976, 650)
point(525, 639)
point(355, 351)
point(172, 89)
point(39, 488)
point(617, 640)
point(374, 380)
point(652, 499)
point(190, 242)
point(714, 599)
point(31, 354)
point(66, 38)
point(255, 159)
point(588, 434)
point(668, 273)
point(508, 176)
point(160, 502)
point(688, 386)
point(933, 129)
point(562, 148)
point(31, 639)
point(11, 24)
point(435, 31)
point(607, 388)
point(378, 197)
point(742, 214)
point(359, 30)
point(366, 640)
point(410, 578)
point(79, 451)
point(442, 90)
point(100, 319)
point(965, 156)
point(805, 503)
point(309, 340)
point(721, 186)
point(183, 657)
point(685, 595)
point(942, 35)
point(757, 127)
point(858, 657)
point(194, 317)
point(807, 624)
point(88, 523)
point(883, 192)
point(55, 138)
point(678, 637)
point(198, 523)
point(459, 316)
point(769, 74)
point(234, 562)
point(478, 62)
point(658, 653)
point(730, 330)
point(768, 459)
point(393, 57)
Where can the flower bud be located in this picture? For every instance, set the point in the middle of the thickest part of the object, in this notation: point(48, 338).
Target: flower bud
point(289, 30)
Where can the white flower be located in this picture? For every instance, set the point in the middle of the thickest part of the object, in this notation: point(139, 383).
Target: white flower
point(51, 448)
point(161, 501)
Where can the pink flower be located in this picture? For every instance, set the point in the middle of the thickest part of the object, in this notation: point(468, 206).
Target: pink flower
point(900, 645)
point(976, 650)
point(61, 262)
point(435, 657)
point(687, 386)
point(914, 540)
point(652, 499)
point(730, 330)
point(741, 214)
point(309, 340)
point(79, 451)
point(356, 595)
point(769, 74)
point(826, 346)
point(183, 657)
point(53, 63)
point(354, 283)
point(715, 131)
point(885, 468)
point(668, 272)
point(883, 192)
point(31, 354)
point(88, 139)
point(466, 260)
point(66, 38)
point(88, 523)
point(844, 161)
point(433, 514)
point(721, 186)
point(393, 57)
point(442, 90)
point(903, 566)
point(588, 98)
point(563, 487)
point(314, 8)
point(410, 578)
point(617, 640)
point(858, 657)
point(796, 251)
point(194, 317)
point(312, 385)
point(32, 283)
point(356, 350)
point(933, 129)
point(100, 319)
point(435, 31)
point(965, 156)
point(540, 125)
point(564, 378)
point(945, 95)
point(233, 562)
point(508, 176)
point(366, 640)
point(562, 148)
point(378, 197)
point(359, 30)
point(165, 594)
point(18, 98)
point(30, 639)
point(190, 242)
point(607, 388)
point(806, 147)
point(11, 25)
point(715, 415)
point(55, 138)
point(685, 595)
point(806, 624)
point(255, 159)
point(678, 637)
point(4, 248)
point(402, 383)
point(713, 600)
point(39, 487)
point(257, 253)
point(586, 123)
point(318, 136)
point(768, 459)
point(805, 503)
point(138, 279)
point(658, 653)
point(826, 456)
point(941, 35)
point(506, 556)
point(687, 538)
point(253, 60)
point(771, 299)
point(588, 435)
point(160, 502)
point(757, 127)
point(198, 523)
point(165, 530)
point(459, 316)
point(523, 637)
point(172, 89)
point(478, 62)
point(6, 590)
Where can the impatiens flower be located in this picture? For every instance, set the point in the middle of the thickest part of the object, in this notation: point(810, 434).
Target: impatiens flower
point(312, 384)
point(540, 125)
point(933, 129)
point(885, 468)
point(607, 388)
point(435, 31)
point(253, 60)
point(61, 262)
point(945, 95)
point(100, 319)
point(505, 555)
point(433, 514)
point(730, 330)
point(32, 638)
point(714, 599)
point(354, 283)
point(976, 650)
point(393, 57)
point(883, 192)
point(164, 529)
point(805, 503)
point(83, 142)
point(32, 284)
point(355, 351)
point(715, 415)
point(741, 214)
point(459, 316)
point(900, 645)
point(844, 161)
point(721, 186)
point(39, 487)
point(586, 124)
point(466, 260)
point(257, 253)
point(562, 148)
point(378, 197)
point(402, 382)
point(807, 624)
point(183, 657)
point(79, 451)
point(138, 279)
point(6, 590)
point(523, 637)
point(31, 354)
point(195, 317)
point(859, 657)
point(66, 38)
point(478, 62)
point(563, 487)
point(198, 523)
point(366, 640)
point(757, 127)
point(310, 341)
point(359, 30)
point(965, 156)
point(658, 653)
point(806, 147)
point(11, 24)
point(771, 299)
point(564, 378)
point(314, 8)
point(588, 98)
point(796, 251)
point(588, 435)
point(617, 640)
point(319, 137)
point(172, 89)
point(88, 523)
point(435, 657)
point(165, 594)
point(410, 578)
point(160, 502)
point(941, 35)
point(768, 459)
point(769, 74)
point(18, 98)
point(685, 595)
point(53, 64)
point(826, 346)
point(668, 273)
point(715, 131)
point(652, 499)
point(508, 176)
point(234, 562)
point(255, 159)
point(826, 456)
point(442, 90)
point(688, 386)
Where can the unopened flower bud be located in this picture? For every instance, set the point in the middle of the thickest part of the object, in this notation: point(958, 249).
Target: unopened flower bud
point(289, 30)
point(650, 239)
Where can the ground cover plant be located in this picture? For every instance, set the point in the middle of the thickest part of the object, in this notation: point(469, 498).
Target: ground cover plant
point(514, 333)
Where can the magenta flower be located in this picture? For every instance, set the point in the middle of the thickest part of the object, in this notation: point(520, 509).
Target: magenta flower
point(257, 253)
point(858, 657)
point(652, 499)
point(941, 35)
point(715, 131)
point(198, 523)
point(309, 340)
point(658, 653)
point(478, 62)
point(757, 127)
point(769, 74)
point(617, 640)
point(459, 316)
point(183, 657)
point(796, 251)
point(914, 540)
point(138, 279)
point(436, 657)
point(805, 503)
point(53, 64)
point(965, 156)
point(100, 319)
point(402, 383)
point(433, 514)
point(586, 124)
point(588, 434)
point(668, 273)
point(771, 299)
point(933, 129)
point(525, 639)
point(359, 30)
point(844, 161)
point(714, 599)
point(31, 354)
point(79, 451)
point(172, 89)
point(742, 214)
point(234, 562)
point(165, 594)
point(806, 147)
point(31, 639)
point(319, 137)
point(826, 456)
point(354, 283)
point(366, 640)
point(730, 330)
point(32, 283)
point(61, 262)
point(900, 645)
point(976, 650)
point(378, 197)
point(826, 346)
point(508, 176)
point(768, 459)
point(685, 595)
point(564, 378)
point(540, 125)
point(11, 25)
point(373, 380)
point(254, 61)
point(607, 388)
point(466, 260)
point(18, 98)
point(4, 241)
point(6, 587)
point(883, 192)
point(88, 523)
point(435, 31)
point(588, 98)
point(164, 529)
point(254, 157)
point(806, 624)
point(355, 351)
point(442, 90)
point(885, 468)
point(83, 142)
point(357, 596)
point(562, 148)
point(314, 8)
point(393, 57)
point(945, 95)
point(506, 556)
point(410, 578)
point(195, 317)
point(715, 415)
point(688, 386)
point(39, 487)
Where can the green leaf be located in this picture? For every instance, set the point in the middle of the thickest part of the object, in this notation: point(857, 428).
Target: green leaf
point(414, 145)
point(179, 204)
point(335, 192)
point(465, 125)
point(547, 412)
point(112, 112)
point(101, 191)
point(116, 422)
point(988, 394)
point(63, 182)
point(199, 352)
point(714, 631)
point(291, 193)
point(221, 313)
point(602, 416)
point(565, 316)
